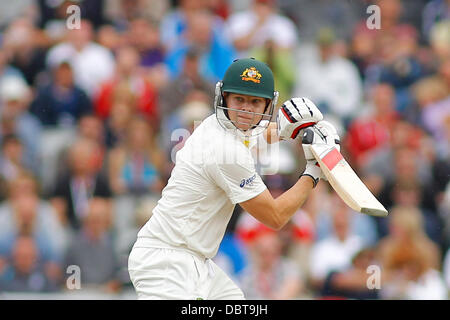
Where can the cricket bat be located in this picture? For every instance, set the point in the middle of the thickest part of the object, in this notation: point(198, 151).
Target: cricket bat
point(346, 182)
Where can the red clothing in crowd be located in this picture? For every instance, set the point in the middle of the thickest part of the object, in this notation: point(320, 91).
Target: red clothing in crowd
point(146, 98)
point(367, 134)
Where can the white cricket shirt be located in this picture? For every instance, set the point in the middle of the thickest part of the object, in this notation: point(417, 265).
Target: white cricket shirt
point(214, 170)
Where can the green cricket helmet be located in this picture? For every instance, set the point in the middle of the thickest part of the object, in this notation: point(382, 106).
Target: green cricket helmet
point(249, 77)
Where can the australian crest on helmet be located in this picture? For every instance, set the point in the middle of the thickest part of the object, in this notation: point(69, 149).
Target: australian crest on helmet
point(251, 74)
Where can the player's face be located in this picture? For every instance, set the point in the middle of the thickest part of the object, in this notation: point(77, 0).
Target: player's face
point(245, 111)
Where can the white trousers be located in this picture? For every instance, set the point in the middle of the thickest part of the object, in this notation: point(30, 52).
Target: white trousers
point(172, 274)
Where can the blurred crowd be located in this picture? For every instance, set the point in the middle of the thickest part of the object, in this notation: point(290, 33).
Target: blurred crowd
point(92, 113)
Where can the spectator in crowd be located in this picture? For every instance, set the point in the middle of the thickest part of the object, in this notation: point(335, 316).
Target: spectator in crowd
point(175, 22)
point(108, 37)
point(362, 50)
point(11, 11)
point(269, 275)
point(399, 66)
point(341, 16)
point(11, 161)
point(408, 169)
point(7, 70)
point(92, 249)
point(15, 96)
point(26, 49)
point(135, 165)
point(433, 99)
point(145, 37)
point(260, 24)
point(331, 81)
point(117, 123)
point(217, 53)
point(352, 283)
point(409, 193)
point(412, 12)
point(24, 273)
point(379, 118)
point(363, 226)
point(89, 127)
point(189, 79)
point(429, 91)
point(440, 38)
point(120, 13)
point(409, 259)
point(24, 213)
point(434, 12)
point(396, 43)
point(334, 253)
point(378, 171)
point(82, 180)
point(92, 64)
point(61, 103)
point(128, 77)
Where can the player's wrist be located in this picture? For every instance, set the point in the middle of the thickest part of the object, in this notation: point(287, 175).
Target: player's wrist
point(313, 171)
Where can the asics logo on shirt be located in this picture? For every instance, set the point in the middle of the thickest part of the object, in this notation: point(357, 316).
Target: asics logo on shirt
point(248, 181)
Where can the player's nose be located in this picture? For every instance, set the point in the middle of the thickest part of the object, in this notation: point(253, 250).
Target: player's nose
point(246, 106)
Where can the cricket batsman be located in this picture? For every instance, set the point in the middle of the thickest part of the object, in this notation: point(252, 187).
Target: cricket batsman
point(214, 171)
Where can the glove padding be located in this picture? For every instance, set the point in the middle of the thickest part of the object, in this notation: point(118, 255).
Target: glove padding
point(324, 132)
point(321, 133)
point(295, 115)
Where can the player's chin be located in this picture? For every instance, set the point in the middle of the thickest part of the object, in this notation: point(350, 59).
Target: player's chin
point(244, 125)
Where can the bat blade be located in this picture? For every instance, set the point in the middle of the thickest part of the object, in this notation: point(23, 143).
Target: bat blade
point(346, 182)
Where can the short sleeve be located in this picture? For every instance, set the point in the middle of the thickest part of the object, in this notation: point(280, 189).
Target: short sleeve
point(233, 170)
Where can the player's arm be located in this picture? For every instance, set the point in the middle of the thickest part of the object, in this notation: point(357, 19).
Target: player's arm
point(271, 134)
point(275, 213)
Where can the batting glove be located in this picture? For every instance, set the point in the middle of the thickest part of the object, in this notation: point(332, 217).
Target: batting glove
point(295, 115)
point(322, 133)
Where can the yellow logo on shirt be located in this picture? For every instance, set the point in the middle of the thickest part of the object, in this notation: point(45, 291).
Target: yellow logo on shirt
point(251, 74)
